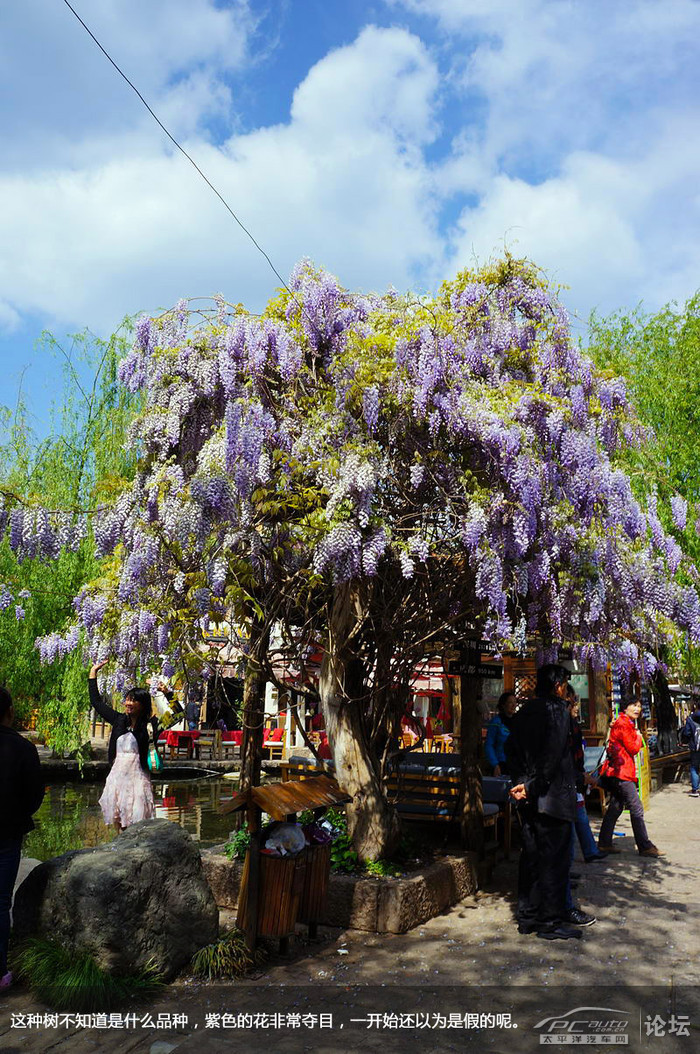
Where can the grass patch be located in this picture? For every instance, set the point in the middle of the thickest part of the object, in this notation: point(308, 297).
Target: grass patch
point(226, 958)
point(72, 981)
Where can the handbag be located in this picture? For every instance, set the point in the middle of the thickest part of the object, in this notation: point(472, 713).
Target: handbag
point(155, 761)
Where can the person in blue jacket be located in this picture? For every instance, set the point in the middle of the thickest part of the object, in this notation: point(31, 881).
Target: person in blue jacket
point(497, 734)
point(691, 737)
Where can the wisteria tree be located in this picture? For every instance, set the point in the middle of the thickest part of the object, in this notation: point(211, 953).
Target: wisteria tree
point(380, 476)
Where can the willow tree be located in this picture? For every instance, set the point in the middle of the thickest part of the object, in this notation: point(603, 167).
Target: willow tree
point(46, 556)
point(376, 475)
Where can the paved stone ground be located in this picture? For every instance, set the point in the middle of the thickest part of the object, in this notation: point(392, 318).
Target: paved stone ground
point(639, 955)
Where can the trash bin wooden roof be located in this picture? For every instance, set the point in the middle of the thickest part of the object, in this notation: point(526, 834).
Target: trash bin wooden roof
point(280, 799)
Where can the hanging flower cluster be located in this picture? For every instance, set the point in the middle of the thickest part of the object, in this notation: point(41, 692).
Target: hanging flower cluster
point(346, 435)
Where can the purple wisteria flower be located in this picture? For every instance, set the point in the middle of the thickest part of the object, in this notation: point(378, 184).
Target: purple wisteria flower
point(679, 511)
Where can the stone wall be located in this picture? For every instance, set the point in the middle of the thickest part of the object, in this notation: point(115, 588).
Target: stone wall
point(378, 905)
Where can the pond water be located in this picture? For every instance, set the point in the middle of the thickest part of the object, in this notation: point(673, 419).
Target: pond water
point(70, 817)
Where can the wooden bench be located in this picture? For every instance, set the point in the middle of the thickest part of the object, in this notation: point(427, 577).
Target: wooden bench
point(425, 788)
point(299, 767)
point(668, 768)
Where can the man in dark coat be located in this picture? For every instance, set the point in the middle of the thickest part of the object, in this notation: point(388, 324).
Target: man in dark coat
point(21, 794)
point(541, 761)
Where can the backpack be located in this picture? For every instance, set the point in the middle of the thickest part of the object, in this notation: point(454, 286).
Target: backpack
point(690, 734)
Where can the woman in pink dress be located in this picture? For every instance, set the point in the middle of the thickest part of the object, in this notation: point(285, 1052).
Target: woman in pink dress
point(128, 796)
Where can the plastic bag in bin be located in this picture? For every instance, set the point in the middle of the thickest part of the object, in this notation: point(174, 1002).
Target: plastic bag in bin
point(318, 833)
point(284, 839)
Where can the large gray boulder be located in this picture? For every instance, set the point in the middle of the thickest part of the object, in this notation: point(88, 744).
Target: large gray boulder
point(137, 900)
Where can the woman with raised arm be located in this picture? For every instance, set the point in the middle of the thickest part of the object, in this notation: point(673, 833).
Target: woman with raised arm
point(128, 795)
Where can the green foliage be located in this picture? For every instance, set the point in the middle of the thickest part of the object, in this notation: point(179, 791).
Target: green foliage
point(659, 357)
point(382, 868)
point(226, 958)
point(344, 858)
point(56, 835)
point(237, 845)
point(72, 981)
point(84, 459)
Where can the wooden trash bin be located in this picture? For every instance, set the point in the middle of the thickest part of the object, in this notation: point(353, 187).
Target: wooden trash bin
point(280, 883)
point(318, 869)
point(281, 887)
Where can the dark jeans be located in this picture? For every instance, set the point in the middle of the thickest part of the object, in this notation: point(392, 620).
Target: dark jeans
point(623, 794)
point(10, 851)
point(543, 875)
point(695, 770)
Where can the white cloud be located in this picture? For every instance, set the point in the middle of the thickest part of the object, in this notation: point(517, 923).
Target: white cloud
point(615, 231)
point(568, 127)
point(9, 318)
point(57, 90)
point(581, 145)
point(384, 83)
point(343, 181)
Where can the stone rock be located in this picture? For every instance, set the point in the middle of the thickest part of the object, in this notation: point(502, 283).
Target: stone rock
point(352, 903)
point(141, 899)
point(224, 877)
point(409, 902)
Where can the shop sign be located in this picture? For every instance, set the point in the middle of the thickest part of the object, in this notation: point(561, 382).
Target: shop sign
point(465, 668)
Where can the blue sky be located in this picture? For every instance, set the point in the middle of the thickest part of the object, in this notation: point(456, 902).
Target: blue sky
point(393, 142)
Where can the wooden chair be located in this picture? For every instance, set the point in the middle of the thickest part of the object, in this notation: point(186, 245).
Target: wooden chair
point(275, 744)
point(180, 744)
point(209, 744)
point(231, 747)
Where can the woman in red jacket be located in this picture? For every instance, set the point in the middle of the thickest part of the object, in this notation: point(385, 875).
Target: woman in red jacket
point(619, 778)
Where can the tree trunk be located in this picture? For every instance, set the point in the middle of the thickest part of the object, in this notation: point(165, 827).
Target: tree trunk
point(666, 720)
point(471, 806)
point(253, 709)
point(372, 823)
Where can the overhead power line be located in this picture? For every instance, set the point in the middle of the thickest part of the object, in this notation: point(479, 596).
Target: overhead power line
point(182, 150)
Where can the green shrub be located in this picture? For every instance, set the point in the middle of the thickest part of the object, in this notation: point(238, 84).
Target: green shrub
point(226, 958)
point(382, 868)
point(237, 845)
point(72, 981)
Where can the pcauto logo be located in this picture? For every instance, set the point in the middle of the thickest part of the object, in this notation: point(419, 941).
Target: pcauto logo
point(585, 1026)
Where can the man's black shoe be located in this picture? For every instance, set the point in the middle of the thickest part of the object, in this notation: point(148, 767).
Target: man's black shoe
point(527, 927)
point(580, 918)
point(562, 932)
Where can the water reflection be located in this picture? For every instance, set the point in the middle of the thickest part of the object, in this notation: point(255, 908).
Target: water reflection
point(70, 817)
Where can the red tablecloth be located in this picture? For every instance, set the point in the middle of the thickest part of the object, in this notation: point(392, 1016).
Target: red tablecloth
point(232, 737)
point(171, 737)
